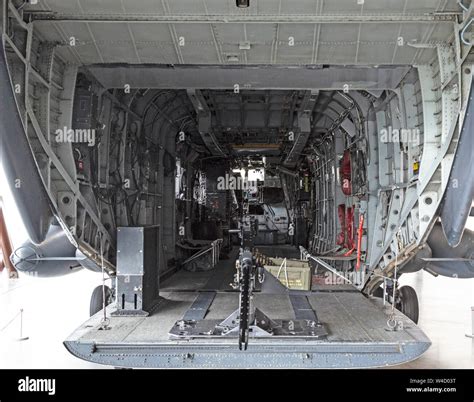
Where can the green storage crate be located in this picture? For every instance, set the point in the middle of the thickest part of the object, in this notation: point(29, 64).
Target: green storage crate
point(299, 273)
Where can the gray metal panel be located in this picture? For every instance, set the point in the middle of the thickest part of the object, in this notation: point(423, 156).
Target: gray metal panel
point(265, 77)
point(304, 125)
point(200, 306)
point(225, 354)
point(460, 191)
point(137, 268)
point(342, 32)
point(130, 251)
point(218, 7)
point(355, 325)
point(22, 173)
point(338, 355)
point(302, 308)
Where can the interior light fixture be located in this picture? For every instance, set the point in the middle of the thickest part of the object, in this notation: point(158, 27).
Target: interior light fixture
point(242, 3)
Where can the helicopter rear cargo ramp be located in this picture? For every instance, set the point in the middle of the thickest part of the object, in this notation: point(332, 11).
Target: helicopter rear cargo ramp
point(357, 335)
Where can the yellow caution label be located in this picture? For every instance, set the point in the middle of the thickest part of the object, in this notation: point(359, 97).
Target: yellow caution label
point(416, 167)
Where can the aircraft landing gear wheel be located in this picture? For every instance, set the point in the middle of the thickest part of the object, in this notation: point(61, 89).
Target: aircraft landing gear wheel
point(97, 300)
point(407, 303)
point(378, 292)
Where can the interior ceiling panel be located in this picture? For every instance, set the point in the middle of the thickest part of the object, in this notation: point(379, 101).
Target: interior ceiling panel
point(303, 33)
point(206, 53)
point(194, 33)
point(235, 33)
point(341, 33)
point(142, 6)
point(324, 32)
point(441, 31)
point(148, 54)
point(264, 77)
point(109, 33)
point(267, 7)
point(186, 6)
point(385, 55)
point(386, 32)
point(329, 53)
point(254, 33)
point(85, 49)
point(420, 6)
point(103, 6)
point(298, 7)
point(259, 54)
point(151, 33)
point(262, 7)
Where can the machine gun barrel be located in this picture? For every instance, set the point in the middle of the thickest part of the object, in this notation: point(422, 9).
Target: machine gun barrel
point(246, 281)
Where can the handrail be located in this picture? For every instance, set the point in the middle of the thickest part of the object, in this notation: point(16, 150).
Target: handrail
point(306, 255)
point(214, 248)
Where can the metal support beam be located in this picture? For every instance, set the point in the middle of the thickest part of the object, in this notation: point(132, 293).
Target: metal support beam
point(248, 19)
point(259, 77)
point(205, 122)
point(304, 126)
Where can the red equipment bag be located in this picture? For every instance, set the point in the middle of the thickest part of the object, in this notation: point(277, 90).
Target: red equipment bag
point(350, 244)
point(345, 170)
point(341, 237)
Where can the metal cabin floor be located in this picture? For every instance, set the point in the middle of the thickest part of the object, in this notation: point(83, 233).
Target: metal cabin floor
point(348, 317)
point(356, 326)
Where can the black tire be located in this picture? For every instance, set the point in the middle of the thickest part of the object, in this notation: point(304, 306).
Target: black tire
point(407, 303)
point(378, 292)
point(97, 301)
